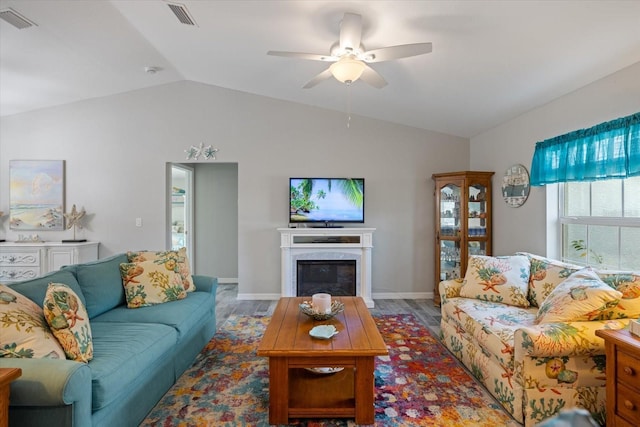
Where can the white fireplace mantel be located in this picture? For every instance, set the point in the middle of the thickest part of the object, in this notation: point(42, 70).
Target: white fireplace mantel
point(327, 244)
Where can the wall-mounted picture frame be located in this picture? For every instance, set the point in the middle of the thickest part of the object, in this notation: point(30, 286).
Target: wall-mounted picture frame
point(36, 194)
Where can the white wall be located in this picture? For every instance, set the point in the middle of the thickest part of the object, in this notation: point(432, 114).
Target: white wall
point(116, 149)
point(524, 228)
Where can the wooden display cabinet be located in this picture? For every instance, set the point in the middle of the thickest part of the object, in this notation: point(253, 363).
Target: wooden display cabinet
point(462, 222)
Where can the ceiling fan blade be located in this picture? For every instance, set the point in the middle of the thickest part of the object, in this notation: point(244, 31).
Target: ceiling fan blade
point(396, 52)
point(300, 55)
point(371, 76)
point(350, 31)
point(326, 74)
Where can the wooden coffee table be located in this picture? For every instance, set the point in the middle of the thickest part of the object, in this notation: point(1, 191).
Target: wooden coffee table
point(295, 392)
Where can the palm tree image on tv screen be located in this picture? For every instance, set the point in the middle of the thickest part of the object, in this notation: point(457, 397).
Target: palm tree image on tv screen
point(326, 200)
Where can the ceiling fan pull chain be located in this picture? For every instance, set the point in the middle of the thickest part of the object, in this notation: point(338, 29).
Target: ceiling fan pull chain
point(348, 105)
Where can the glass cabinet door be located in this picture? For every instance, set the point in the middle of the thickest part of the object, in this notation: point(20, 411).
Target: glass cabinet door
point(449, 259)
point(450, 210)
point(477, 248)
point(477, 211)
point(450, 226)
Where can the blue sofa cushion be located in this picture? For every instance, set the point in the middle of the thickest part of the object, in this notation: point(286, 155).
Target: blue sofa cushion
point(183, 315)
point(35, 289)
point(123, 353)
point(101, 283)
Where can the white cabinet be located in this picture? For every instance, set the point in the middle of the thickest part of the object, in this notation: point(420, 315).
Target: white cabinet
point(19, 263)
point(22, 261)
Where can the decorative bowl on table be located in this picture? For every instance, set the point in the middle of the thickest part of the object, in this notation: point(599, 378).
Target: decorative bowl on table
point(307, 308)
point(325, 370)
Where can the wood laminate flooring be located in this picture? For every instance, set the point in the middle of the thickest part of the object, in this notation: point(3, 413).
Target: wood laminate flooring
point(228, 304)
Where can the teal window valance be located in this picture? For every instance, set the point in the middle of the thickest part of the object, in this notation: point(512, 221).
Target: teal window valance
point(610, 150)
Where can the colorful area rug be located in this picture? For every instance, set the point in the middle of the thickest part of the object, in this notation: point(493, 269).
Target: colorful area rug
point(418, 384)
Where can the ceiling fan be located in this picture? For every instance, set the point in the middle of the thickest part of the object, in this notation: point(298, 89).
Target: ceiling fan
point(350, 59)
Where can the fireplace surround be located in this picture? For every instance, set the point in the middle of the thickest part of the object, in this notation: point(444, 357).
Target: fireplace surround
point(327, 244)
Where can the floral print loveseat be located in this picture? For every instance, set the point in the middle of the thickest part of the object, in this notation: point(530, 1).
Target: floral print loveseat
point(524, 325)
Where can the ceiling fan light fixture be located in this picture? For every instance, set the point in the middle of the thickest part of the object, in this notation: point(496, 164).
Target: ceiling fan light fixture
point(348, 69)
point(350, 60)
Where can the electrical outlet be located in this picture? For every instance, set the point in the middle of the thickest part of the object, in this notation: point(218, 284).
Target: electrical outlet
point(138, 222)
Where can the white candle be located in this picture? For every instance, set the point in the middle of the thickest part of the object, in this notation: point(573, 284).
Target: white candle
point(321, 303)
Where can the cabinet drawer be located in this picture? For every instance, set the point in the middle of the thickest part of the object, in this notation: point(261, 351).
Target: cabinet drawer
point(621, 422)
point(628, 404)
point(14, 274)
point(19, 258)
point(628, 370)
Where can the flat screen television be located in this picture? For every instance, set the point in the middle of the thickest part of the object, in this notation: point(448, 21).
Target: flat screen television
point(326, 200)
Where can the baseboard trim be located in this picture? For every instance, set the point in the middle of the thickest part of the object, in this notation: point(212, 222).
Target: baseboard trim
point(402, 295)
point(382, 295)
point(258, 297)
point(228, 280)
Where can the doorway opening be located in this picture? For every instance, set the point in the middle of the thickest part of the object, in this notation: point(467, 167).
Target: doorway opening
point(181, 223)
point(212, 232)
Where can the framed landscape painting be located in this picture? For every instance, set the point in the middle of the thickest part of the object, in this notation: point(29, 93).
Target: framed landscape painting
point(36, 192)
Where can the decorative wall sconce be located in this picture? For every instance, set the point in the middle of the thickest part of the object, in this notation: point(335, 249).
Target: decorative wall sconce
point(208, 152)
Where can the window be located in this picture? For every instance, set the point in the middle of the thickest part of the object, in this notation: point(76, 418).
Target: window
point(600, 223)
point(597, 172)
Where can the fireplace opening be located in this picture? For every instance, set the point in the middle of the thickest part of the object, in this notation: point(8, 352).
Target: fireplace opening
point(335, 277)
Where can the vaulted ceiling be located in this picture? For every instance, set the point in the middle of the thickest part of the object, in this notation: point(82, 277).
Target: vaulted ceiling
point(491, 60)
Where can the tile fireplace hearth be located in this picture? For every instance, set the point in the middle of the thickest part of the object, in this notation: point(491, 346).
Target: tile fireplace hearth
point(336, 246)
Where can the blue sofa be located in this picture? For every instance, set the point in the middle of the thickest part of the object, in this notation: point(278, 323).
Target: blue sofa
point(138, 353)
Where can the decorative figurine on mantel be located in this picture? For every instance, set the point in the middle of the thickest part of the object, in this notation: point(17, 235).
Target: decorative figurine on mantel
point(29, 238)
point(73, 220)
point(1, 215)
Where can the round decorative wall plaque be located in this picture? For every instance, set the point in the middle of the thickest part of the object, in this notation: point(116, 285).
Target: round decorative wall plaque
point(515, 185)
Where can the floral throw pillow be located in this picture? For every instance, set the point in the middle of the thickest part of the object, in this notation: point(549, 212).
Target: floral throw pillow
point(497, 279)
point(69, 321)
point(149, 283)
point(172, 260)
point(627, 282)
point(581, 297)
point(546, 274)
point(24, 332)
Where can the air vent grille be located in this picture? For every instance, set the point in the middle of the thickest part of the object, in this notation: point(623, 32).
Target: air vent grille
point(15, 19)
point(181, 13)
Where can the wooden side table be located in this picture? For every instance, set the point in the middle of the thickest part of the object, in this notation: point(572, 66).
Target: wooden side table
point(623, 377)
point(7, 375)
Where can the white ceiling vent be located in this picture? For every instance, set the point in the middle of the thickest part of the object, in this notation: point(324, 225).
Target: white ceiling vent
point(15, 19)
point(181, 13)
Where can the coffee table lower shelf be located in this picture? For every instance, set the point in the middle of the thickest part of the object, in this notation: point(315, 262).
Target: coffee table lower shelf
point(297, 393)
point(314, 395)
